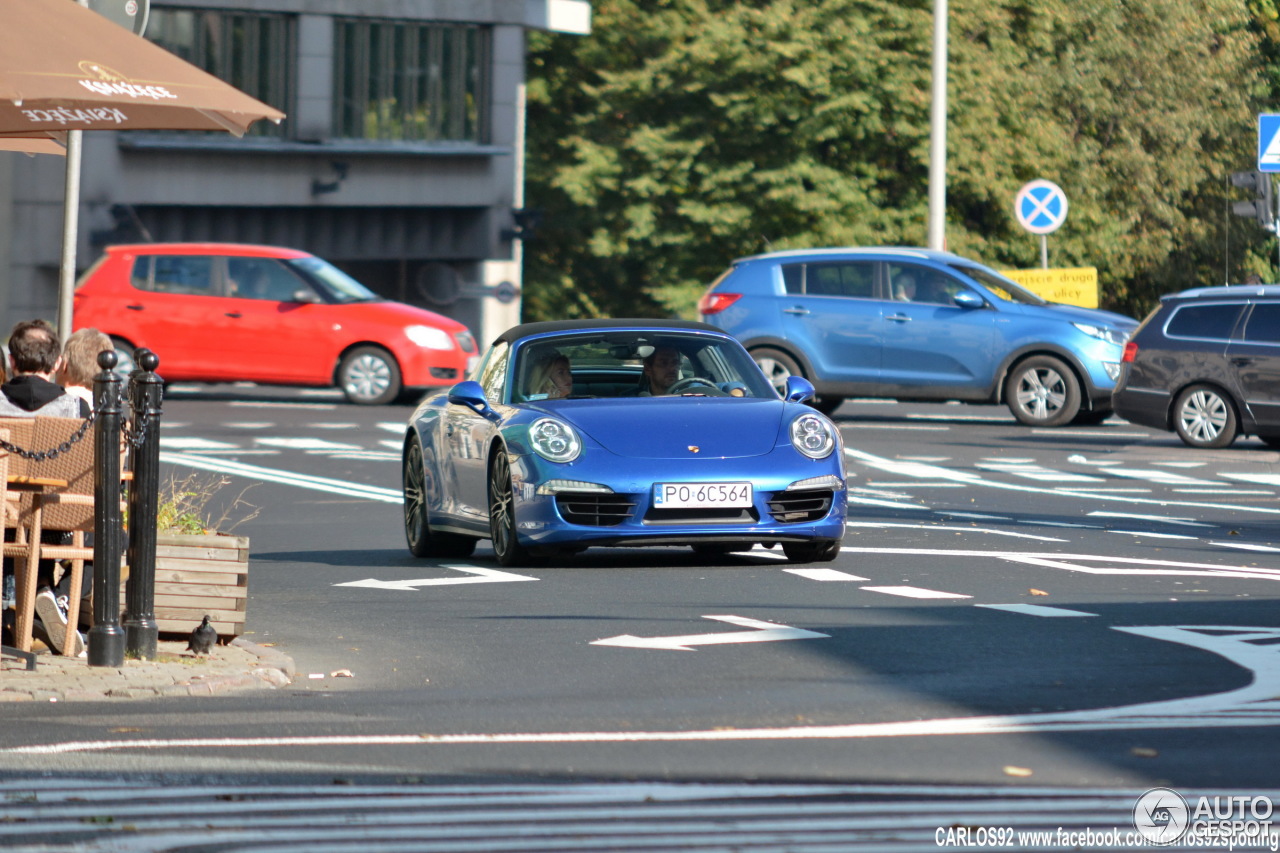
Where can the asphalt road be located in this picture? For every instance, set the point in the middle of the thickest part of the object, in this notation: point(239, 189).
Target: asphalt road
point(1068, 609)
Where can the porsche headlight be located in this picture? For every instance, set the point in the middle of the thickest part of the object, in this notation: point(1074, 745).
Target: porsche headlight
point(1103, 333)
point(813, 436)
point(429, 337)
point(554, 440)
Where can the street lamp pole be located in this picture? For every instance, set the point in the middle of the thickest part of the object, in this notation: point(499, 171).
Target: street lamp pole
point(938, 131)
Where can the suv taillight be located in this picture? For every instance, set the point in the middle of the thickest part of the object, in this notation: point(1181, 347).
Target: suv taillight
point(1130, 352)
point(714, 303)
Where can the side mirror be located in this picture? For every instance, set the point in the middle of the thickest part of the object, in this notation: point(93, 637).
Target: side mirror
point(303, 294)
point(969, 299)
point(471, 395)
point(799, 389)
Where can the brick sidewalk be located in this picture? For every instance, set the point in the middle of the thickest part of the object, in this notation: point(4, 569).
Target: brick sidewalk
point(241, 665)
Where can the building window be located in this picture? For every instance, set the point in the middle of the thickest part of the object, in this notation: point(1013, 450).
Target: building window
point(410, 82)
point(253, 52)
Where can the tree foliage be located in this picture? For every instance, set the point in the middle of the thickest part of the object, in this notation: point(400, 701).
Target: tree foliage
point(684, 133)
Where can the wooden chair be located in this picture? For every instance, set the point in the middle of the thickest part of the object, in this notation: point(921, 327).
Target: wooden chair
point(66, 505)
point(9, 517)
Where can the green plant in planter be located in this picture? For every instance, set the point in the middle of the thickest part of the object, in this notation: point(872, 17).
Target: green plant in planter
point(187, 505)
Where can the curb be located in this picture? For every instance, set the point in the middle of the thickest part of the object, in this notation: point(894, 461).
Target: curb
point(240, 665)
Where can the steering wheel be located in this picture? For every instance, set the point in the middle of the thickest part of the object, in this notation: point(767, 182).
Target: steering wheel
point(680, 386)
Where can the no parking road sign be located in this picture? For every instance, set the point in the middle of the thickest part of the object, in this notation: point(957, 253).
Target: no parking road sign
point(1041, 206)
point(1269, 142)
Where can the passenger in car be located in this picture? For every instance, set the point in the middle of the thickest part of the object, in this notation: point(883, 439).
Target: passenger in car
point(904, 288)
point(552, 377)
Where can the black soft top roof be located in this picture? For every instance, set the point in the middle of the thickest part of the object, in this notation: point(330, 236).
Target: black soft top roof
point(524, 330)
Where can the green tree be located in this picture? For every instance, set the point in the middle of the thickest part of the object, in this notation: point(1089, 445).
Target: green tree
point(684, 133)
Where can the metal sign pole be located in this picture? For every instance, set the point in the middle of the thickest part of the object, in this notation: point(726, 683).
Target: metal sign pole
point(1044, 251)
point(70, 234)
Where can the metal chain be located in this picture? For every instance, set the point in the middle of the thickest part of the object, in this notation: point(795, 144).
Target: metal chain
point(52, 453)
point(135, 439)
point(144, 420)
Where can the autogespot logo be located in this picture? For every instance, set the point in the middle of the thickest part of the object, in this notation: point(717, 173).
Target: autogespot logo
point(1161, 815)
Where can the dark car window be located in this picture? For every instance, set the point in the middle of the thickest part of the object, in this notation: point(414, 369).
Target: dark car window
point(911, 283)
point(262, 278)
point(612, 365)
point(1206, 322)
point(186, 274)
point(1263, 325)
point(340, 287)
point(1006, 289)
point(830, 279)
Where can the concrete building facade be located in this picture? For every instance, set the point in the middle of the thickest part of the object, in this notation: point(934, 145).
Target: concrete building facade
point(400, 161)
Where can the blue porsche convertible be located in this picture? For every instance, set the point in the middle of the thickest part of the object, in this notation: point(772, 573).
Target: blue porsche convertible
point(621, 433)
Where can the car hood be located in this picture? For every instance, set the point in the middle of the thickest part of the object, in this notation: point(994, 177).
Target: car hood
point(669, 427)
point(1090, 315)
point(394, 314)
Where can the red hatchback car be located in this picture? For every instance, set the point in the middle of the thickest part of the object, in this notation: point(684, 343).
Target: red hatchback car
point(220, 312)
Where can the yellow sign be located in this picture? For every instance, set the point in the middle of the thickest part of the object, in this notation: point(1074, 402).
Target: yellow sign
point(1074, 286)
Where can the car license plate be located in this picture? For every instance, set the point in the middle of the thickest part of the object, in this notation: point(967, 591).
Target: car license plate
point(680, 495)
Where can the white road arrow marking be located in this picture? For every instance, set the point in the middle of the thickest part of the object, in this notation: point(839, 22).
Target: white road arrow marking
point(1255, 704)
point(478, 575)
point(762, 632)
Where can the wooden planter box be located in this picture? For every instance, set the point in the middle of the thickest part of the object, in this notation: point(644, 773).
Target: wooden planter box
point(198, 575)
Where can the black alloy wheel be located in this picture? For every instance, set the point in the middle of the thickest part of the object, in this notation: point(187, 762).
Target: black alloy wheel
point(502, 514)
point(423, 541)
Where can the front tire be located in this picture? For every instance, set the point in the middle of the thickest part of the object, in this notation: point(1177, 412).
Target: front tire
point(1042, 391)
point(369, 376)
point(422, 540)
point(502, 515)
point(1204, 417)
point(820, 551)
point(778, 367)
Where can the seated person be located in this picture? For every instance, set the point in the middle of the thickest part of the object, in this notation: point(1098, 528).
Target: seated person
point(661, 370)
point(904, 287)
point(551, 377)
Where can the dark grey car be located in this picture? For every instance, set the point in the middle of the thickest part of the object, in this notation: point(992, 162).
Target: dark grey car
point(1206, 364)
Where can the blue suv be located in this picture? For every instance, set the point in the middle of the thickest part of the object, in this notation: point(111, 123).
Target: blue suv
point(916, 324)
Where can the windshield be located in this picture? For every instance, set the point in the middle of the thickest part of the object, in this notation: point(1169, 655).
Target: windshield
point(635, 364)
point(1006, 289)
point(336, 284)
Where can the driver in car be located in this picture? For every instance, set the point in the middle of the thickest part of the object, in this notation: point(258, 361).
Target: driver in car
point(661, 370)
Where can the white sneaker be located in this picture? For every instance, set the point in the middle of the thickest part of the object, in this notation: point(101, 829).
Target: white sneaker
point(54, 618)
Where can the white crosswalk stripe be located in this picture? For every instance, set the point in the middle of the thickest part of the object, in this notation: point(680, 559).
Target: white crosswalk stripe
point(913, 592)
point(1032, 471)
point(91, 815)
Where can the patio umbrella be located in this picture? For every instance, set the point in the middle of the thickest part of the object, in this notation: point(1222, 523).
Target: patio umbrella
point(30, 145)
point(64, 67)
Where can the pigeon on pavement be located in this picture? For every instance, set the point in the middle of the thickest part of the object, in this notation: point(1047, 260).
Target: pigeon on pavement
point(203, 638)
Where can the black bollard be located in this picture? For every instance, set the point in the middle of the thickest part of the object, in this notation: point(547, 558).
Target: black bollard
point(145, 392)
point(106, 638)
